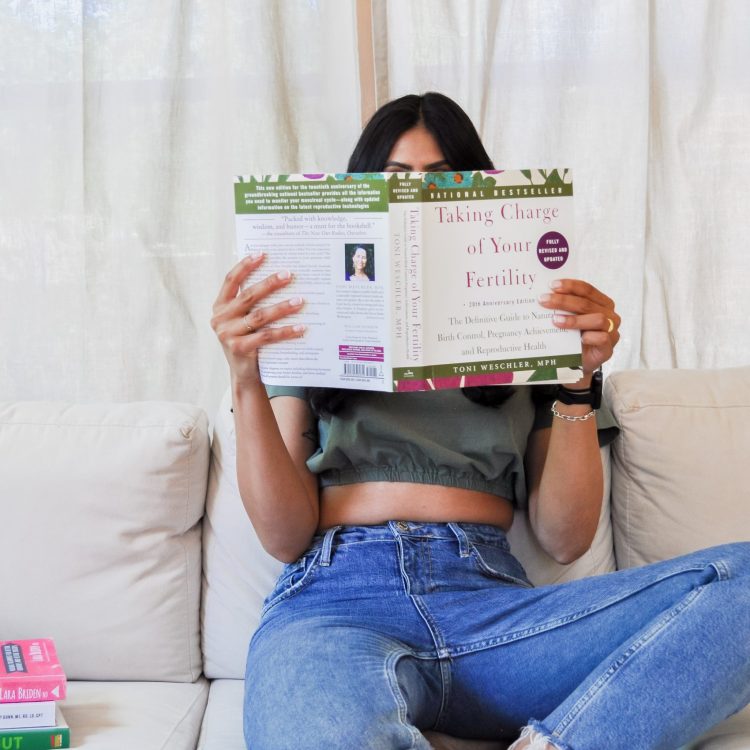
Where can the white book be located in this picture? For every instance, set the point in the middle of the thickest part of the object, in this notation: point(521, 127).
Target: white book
point(415, 281)
point(29, 714)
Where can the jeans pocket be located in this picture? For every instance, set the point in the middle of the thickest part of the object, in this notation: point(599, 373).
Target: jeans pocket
point(294, 577)
point(498, 563)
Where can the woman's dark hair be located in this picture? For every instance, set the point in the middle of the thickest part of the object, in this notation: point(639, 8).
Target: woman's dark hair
point(463, 149)
point(442, 117)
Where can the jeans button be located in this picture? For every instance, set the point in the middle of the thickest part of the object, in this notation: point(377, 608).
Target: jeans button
point(401, 526)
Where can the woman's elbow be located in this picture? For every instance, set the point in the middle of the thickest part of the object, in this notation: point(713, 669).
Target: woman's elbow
point(565, 544)
point(284, 552)
point(569, 554)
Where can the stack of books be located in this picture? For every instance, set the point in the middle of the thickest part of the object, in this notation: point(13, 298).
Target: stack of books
point(31, 683)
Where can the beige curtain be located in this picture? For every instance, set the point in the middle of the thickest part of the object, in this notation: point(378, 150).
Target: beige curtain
point(122, 124)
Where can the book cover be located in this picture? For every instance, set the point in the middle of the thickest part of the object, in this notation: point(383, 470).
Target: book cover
point(415, 281)
point(40, 738)
point(30, 671)
point(28, 714)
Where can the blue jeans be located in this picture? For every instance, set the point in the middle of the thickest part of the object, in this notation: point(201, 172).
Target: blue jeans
point(377, 632)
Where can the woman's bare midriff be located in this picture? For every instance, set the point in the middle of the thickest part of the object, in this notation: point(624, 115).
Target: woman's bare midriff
point(371, 503)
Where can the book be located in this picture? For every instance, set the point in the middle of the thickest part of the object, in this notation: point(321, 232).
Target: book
point(39, 738)
point(28, 714)
point(30, 671)
point(415, 281)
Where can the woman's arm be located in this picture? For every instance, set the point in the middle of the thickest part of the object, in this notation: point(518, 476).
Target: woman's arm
point(564, 472)
point(563, 462)
point(279, 493)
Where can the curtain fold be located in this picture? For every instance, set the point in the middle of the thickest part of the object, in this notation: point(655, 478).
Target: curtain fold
point(123, 123)
point(552, 83)
point(697, 265)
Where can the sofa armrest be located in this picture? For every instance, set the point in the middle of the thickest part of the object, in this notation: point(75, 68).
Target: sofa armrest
point(101, 506)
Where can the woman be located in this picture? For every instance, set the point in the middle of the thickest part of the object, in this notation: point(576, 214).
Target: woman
point(400, 607)
point(359, 265)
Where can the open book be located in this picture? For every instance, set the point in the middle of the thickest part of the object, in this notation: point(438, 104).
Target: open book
point(415, 281)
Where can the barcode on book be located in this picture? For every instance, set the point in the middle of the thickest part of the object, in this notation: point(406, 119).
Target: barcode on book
point(369, 371)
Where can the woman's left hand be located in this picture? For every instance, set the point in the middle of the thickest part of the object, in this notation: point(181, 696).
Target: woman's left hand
point(592, 312)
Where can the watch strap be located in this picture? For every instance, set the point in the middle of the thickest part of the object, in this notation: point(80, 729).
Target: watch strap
point(591, 395)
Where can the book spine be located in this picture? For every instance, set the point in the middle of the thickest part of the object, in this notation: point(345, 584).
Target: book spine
point(23, 689)
point(19, 739)
point(419, 283)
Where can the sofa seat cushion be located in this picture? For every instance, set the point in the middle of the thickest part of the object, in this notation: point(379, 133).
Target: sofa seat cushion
point(143, 715)
point(101, 507)
point(222, 727)
point(731, 734)
point(222, 722)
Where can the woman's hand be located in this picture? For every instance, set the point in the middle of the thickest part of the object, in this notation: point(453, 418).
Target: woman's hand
point(242, 326)
point(593, 313)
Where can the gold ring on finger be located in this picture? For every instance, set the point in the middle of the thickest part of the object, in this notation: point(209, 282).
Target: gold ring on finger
point(611, 325)
point(250, 329)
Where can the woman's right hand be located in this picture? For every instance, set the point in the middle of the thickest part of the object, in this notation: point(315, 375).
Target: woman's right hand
point(241, 325)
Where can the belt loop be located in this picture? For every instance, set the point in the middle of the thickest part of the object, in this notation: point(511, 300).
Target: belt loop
point(325, 553)
point(463, 540)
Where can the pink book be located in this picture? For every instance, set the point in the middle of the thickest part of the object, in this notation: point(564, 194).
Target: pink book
point(30, 671)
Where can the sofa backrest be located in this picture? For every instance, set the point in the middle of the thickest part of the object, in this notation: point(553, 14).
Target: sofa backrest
point(239, 573)
point(678, 466)
point(542, 569)
point(99, 519)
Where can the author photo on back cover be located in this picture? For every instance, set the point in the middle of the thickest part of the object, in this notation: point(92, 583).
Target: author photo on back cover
point(359, 262)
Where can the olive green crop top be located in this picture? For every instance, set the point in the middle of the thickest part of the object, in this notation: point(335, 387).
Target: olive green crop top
point(431, 437)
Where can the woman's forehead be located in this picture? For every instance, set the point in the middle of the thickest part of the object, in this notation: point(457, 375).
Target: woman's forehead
point(417, 150)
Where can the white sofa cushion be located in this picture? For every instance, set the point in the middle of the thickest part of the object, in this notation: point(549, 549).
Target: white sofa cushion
point(678, 480)
point(100, 507)
point(222, 724)
point(238, 573)
point(142, 715)
point(542, 569)
point(731, 734)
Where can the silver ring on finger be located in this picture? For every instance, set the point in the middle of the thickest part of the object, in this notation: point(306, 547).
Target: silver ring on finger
point(250, 328)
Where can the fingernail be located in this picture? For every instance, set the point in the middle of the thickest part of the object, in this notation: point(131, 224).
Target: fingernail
point(556, 284)
point(283, 275)
point(545, 297)
point(256, 254)
point(559, 318)
point(296, 301)
point(299, 328)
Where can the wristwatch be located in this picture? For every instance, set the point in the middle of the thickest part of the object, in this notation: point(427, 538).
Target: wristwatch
point(591, 395)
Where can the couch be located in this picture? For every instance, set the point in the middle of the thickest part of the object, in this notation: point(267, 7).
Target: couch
point(124, 539)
